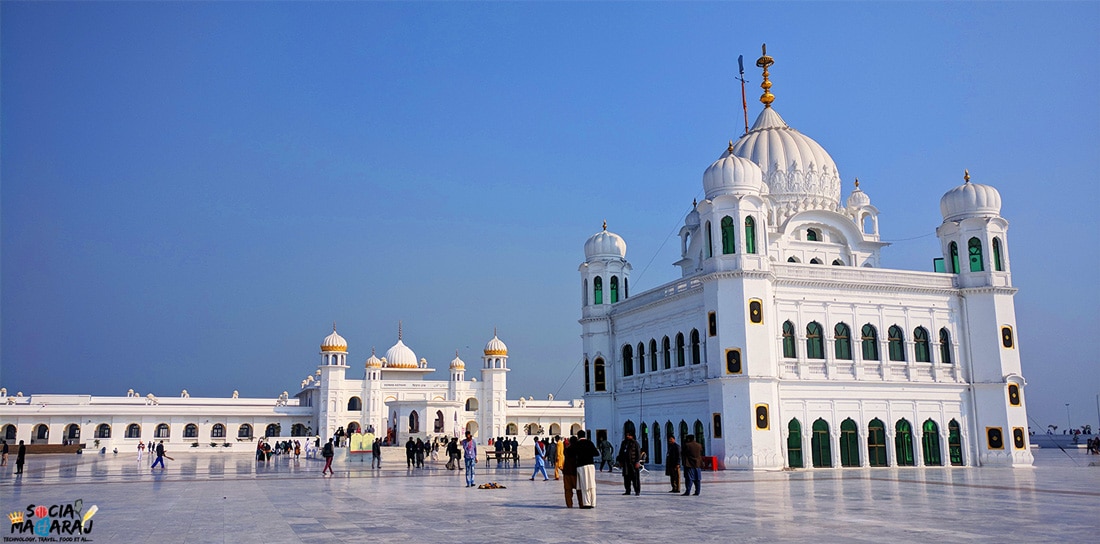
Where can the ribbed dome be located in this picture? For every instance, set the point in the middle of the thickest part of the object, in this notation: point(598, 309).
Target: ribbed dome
point(334, 342)
point(692, 219)
point(400, 356)
point(605, 244)
point(457, 363)
point(731, 174)
point(858, 198)
point(495, 346)
point(970, 200)
point(798, 171)
point(374, 361)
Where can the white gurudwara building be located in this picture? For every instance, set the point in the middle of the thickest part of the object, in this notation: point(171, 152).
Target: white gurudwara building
point(786, 344)
point(395, 399)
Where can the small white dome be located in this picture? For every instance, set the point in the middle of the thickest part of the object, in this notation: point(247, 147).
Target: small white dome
point(495, 346)
point(692, 219)
point(374, 361)
point(970, 200)
point(457, 363)
point(334, 342)
point(400, 356)
point(731, 174)
point(858, 198)
point(605, 244)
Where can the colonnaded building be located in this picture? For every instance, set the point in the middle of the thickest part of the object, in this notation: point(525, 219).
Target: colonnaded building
point(785, 344)
point(394, 399)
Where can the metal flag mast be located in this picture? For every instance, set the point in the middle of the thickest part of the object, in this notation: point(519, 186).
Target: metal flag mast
point(741, 78)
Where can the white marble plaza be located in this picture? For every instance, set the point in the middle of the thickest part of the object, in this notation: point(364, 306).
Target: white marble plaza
point(229, 497)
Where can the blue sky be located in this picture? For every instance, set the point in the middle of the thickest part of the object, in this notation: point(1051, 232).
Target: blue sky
point(191, 193)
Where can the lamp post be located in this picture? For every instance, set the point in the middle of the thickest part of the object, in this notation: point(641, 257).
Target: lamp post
point(1069, 422)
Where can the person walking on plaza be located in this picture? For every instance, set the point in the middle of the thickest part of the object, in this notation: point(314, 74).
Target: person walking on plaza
point(419, 453)
point(540, 460)
point(453, 454)
point(141, 449)
point(569, 471)
point(693, 463)
point(672, 464)
point(552, 455)
point(410, 453)
point(20, 457)
point(469, 454)
point(559, 456)
point(585, 452)
point(4, 455)
point(629, 462)
point(160, 456)
point(376, 453)
point(328, 453)
point(606, 451)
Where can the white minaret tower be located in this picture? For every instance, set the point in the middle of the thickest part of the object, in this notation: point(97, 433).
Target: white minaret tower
point(334, 354)
point(975, 245)
point(374, 407)
point(494, 378)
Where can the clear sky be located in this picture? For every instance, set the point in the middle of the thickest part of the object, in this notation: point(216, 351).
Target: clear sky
point(191, 193)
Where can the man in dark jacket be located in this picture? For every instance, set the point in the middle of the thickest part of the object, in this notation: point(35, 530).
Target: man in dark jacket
point(410, 453)
point(585, 452)
point(693, 464)
point(629, 461)
point(672, 464)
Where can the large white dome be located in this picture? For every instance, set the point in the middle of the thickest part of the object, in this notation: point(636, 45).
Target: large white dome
point(731, 174)
point(605, 244)
point(970, 200)
point(798, 171)
point(400, 356)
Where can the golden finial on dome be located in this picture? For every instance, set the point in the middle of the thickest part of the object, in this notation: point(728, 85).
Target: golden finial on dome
point(398, 331)
point(966, 175)
point(764, 62)
point(857, 183)
point(730, 148)
point(604, 228)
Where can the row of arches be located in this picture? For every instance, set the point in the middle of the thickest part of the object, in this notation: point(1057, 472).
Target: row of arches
point(729, 237)
point(877, 448)
point(841, 339)
point(598, 290)
point(41, 432)
point(637, 358)
point(975, 256)
point(653, 436)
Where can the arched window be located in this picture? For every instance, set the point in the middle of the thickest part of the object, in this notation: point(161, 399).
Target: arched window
point(657, 444)
point(133, 430)
point(531, 429)
point(414, 422)
point(789, 350)
point(355, 404)
point(750, 235)
point(842, 342)
point(695, 355)
point(728, 233)
point(812, 235)
point(103, 431)
point(614, 289)
point(954, 443)
point(710, 242)
point(930, 444)
point(244, 431)
point(953, 249)
point(794, 444)
point(670, 430)
point(792, 260)
point(163, 431)
point(945, 346)
point(555, 429)
point(42, 432)
point(997, 255)
point(628, 360)
point(849, 443)
point(643, 438)
point(599, 376)
point(666, 349)
point(683, 431)
point(72, 432)
point(870, 343)
point(626, 288)
point(584, 292)
point(876, 443)
point(641, 358)
point(587, 377)
point(9, 432)
point(815, 260)
point(896, 343)
point(191, 431)
point(838, 262)
point(652, 355)
point(819, 445)
point(218, 430)
point(471, 403)
point(815, 344)
point(903, 443)
point(679, 349)
point(920, 346)
point(975, 246)
point(701, 435)
point(273, 429)
point(512, 429)
point(597, 284)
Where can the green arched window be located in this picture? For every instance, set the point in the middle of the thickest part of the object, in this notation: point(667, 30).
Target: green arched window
point(930, 444)
point(728, 233)
point(849, 443)
point(815, 344)
point(842, 342)
point(953, 248)
point(710, 242)
point(876, 443)
point(945, 346)
point(657, 444)
point(920, 345)
point(652, 355)
point(870, 343)
point(671, 431)
point(997, 255)
point(954, 443)
point(896, 343)
point(903, 443)
point(819, 445)
point(614, 289)
point(789, 350)
point(812, 236)
point(597, 285)
point(628, 360)
point(679, 349)
point(683, 431)
point(975, 246)
point(695, 355)
point(666, 349)
point(750, 235)
point(794, 444)
point(599, 375)
point(641, 358)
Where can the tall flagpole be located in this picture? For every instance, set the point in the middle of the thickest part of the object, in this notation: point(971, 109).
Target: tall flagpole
point(744, 104)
